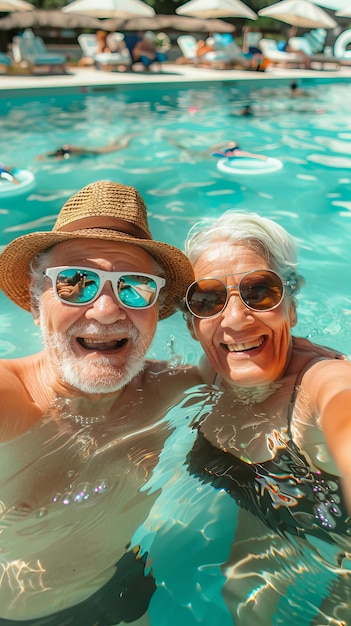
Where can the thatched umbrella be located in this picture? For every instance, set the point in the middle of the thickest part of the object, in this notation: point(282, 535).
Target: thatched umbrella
point(169, 22)
point(47, 19)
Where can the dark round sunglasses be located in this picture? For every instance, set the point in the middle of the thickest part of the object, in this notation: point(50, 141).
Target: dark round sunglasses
point(82, 285)
point(259, 290)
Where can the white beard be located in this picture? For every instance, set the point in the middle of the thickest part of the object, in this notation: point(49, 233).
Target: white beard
point(100, 375)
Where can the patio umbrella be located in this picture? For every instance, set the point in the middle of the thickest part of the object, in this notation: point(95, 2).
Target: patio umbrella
point(216, 8)
point(47, 19)
point(299, 13)
point(110, 8)
point(344, 12)
point(170, 22)
point(15, 5)
point(333, 5)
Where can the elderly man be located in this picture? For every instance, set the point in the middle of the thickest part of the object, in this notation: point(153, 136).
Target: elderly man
point(82, 421)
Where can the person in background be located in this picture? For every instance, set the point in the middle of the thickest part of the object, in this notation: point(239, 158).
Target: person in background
point(296, 91)
point(7, 174)
point(116, 42)
point(246, 111)
point(102, 45)
point(82, 422)
point(67, 151)
point(233, 151)
point(225, 149)
point(204, 46)
point(145, 51)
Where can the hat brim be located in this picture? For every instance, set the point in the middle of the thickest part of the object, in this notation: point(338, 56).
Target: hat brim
point(16, 258)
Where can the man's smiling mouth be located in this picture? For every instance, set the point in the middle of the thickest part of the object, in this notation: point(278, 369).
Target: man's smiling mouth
point(99, 345)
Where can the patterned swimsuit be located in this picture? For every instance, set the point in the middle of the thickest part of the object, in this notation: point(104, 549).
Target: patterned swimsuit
point(283, 492)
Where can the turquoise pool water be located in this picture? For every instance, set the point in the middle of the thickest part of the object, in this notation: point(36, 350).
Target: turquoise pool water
point(191, 525)
point(310, 196)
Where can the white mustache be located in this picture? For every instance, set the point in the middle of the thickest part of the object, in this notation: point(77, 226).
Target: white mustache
point(93, 329)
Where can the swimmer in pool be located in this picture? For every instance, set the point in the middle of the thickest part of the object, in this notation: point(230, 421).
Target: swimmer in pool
point(222, 150)
point(68, 151)
point(246, 111)
point(6, 174)
point(81, 422)
point(233, 151)
point(296, 91)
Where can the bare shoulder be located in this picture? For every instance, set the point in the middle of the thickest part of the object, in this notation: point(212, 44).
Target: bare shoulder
point(323, 395)
point(16, 399)
point(324, 378)
point(327, 374)
point(10, 376)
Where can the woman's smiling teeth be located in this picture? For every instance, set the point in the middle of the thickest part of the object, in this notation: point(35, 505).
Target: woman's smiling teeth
point(244, 347)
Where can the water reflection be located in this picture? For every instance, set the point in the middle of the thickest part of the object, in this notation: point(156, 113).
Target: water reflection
point(71, 497)
point(269, 544)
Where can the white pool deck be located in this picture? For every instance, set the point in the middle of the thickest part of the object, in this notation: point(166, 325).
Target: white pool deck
point(172, 74)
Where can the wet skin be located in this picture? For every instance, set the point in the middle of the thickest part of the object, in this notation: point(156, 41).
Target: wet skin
point(74, 462)
point(104, 316)
point(244, 347)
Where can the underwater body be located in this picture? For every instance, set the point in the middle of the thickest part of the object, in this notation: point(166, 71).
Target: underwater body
point(214, 559)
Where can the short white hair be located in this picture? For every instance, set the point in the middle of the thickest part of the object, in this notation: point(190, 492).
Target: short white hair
point(270, 240)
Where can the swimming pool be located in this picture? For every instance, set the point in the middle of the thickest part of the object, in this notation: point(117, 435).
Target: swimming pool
point(309, 196)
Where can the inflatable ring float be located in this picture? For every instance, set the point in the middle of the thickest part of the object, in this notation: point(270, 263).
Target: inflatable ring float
point(239, 166)
point(26, 184)
point(341, 44)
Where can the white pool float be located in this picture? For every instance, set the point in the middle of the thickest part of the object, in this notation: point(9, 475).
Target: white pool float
point(26, 184)
point(239, 166)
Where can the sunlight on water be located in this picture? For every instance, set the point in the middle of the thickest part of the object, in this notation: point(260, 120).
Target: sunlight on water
point(169, 161)
point(309, 196)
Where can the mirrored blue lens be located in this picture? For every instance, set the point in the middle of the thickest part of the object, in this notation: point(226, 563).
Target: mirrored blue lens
point(136, 291)
point(77, 286)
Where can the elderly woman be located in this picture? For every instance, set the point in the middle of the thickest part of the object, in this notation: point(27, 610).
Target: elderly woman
point(275, 431)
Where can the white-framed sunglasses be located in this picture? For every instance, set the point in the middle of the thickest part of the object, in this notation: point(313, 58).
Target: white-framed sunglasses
point(80, 286)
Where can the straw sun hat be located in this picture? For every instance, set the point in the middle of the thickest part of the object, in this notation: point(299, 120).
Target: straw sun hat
point(102, 210)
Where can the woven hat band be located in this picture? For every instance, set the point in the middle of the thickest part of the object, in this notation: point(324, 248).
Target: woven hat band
point(110, 223)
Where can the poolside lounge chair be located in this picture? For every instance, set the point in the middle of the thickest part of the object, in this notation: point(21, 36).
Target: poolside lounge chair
point(89, 45)
point(225, 53)
point(317, 60)
point(316, 39)
point(278, 57)
point(232, 53)
point(31, 49)
point(188, 47)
